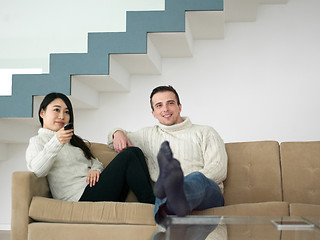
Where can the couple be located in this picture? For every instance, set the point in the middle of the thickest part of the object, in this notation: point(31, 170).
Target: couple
point(193, 182)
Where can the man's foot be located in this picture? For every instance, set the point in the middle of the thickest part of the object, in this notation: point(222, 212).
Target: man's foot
point(164, 158)
point(170, 182)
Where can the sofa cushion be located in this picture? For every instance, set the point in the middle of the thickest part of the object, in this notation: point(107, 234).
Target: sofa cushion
point(57, 211)
point(300, 163)
point(302, 209)
point(62, 231)
point(248, 209)
point(253, 173)
point(102, 152)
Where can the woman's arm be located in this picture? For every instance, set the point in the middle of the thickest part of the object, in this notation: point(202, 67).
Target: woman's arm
point(96, 165)
point(41, 155)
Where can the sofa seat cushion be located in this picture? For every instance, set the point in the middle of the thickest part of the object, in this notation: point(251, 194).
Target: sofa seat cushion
point(248, 209)
point(57, 211)
point(303, 209)
point(61, 231)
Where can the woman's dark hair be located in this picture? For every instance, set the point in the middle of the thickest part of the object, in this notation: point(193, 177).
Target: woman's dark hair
point(164, 89)
point(75, 140)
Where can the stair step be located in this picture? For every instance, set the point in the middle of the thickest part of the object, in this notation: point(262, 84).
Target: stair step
point(17, 130)
point(143, 64)
point(206, 25)
point(241, 11)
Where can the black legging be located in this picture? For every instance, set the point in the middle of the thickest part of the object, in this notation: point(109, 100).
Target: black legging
point(128, 170)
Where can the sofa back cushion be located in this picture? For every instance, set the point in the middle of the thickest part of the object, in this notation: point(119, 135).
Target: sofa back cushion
point(102, 152)
point(253, 173)
point(300, 162)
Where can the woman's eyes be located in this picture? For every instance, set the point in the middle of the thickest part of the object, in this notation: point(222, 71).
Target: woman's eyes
point(58, 110)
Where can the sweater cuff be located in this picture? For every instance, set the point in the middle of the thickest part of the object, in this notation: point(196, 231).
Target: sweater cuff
point(55, 143)
point(110, 136)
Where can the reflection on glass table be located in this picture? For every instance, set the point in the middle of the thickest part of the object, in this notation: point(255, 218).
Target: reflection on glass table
point(235, 227)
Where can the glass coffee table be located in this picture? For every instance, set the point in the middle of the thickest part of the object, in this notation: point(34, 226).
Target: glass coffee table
point(238, 227)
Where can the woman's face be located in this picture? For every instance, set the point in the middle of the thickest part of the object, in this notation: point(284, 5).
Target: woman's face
point(56, 115)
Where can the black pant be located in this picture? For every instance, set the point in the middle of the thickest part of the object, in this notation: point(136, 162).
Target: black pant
point(128, 170)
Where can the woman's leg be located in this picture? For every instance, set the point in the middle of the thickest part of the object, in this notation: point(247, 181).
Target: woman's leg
point(141, 159)
point(127, 170)
point(138, 177)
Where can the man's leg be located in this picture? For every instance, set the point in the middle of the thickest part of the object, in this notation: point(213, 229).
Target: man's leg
point(201, 192)
point(170, 182)
point(177, 194)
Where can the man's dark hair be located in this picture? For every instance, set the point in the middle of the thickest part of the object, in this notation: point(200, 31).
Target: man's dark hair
point(164, 89)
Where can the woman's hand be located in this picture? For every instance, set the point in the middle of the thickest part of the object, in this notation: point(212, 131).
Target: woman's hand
point(64, 136)
point(93, 177)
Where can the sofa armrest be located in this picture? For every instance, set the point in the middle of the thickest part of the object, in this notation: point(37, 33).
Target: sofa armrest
point(25, 185)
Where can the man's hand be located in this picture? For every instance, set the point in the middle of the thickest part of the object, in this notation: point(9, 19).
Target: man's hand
point(120, 141)
point(64, 136)
point(93, 177)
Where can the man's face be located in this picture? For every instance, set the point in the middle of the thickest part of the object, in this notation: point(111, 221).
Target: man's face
point(166, 108)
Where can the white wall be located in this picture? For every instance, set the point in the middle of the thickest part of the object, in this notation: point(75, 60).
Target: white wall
point(30, 30)
point(260, 83)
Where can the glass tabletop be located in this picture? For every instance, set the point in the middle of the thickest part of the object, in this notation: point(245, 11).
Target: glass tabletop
point(238, 227)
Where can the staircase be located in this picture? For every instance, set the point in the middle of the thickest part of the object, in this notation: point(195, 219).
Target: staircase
point(112, 58)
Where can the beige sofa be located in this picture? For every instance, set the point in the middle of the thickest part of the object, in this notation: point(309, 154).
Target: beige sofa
point(264, 179)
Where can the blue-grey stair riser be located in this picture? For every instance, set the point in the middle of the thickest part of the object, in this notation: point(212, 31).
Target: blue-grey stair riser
point(96, 61)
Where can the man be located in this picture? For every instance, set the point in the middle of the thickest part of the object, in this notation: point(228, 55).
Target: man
point(194, 181)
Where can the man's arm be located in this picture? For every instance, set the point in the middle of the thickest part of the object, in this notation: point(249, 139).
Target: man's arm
point(215, 157)
point(120, 141)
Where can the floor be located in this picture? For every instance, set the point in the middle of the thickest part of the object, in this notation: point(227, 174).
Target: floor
point(4, 235)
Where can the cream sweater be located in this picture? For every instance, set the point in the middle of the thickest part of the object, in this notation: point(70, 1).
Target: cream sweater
point(198, 148)
point(65, 166)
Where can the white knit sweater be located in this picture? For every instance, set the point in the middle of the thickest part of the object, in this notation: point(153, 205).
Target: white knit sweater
point(65, 166)
point(197, 147)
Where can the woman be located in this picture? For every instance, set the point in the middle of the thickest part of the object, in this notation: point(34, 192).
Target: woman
point(72, 171)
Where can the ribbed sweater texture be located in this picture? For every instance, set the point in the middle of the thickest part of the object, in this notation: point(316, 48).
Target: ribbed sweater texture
point(199, 148)
point(64, 165)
